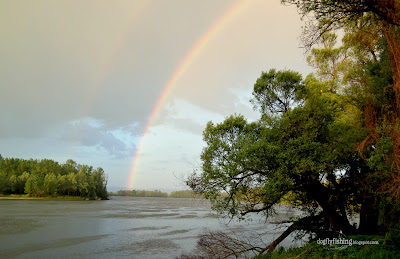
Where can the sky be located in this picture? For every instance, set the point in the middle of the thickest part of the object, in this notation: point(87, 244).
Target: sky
point(129, 86)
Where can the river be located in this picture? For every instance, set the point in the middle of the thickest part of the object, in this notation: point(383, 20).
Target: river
point(123, 227)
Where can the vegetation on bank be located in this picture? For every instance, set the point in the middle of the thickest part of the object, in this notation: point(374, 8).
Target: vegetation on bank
point(57, 198)
point(47, 178)
point(387, 247)
point(139, 193)
point(156, 193)
point(185, 194)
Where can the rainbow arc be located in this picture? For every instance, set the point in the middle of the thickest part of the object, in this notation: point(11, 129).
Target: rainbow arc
point(217, 26)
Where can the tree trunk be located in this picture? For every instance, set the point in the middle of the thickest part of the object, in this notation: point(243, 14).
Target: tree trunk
point(276, 242)
point(338, 222)
point(368, 216)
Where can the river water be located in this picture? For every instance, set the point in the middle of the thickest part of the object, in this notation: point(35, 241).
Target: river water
point(123, 227)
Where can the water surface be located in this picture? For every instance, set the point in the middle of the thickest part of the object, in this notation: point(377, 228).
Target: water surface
point(123, 227)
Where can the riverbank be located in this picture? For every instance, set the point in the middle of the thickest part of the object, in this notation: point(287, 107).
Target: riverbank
point(27, 197)
point(361, 246)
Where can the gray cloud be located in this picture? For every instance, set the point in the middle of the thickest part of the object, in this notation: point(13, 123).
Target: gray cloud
point(92, 133)
point(103, 64)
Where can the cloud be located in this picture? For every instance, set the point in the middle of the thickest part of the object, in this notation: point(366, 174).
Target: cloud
point(92, 133)
point(111, 62)
point(86, 87)
point(187, 117)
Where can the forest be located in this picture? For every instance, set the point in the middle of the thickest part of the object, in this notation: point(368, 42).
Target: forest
point(156, 193)
point(328, 144)
point(47, 178)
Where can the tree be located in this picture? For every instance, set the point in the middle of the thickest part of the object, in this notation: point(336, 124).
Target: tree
point(329, 61)
point(47, 177)
point(13, 182)
point(22, 181)
point(34, 185)
point(70, 166)
point(327, 15)
point(63, 184)
point(50, 185)
point(72, 185)
point(330, 14)
point(99, 182)
point(3, 182)
point(306, 152)
point(277, 91)
point(82, 182)
point(374, 27)
point(332, 152)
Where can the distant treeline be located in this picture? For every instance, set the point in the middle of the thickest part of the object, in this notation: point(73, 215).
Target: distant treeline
point(40, 178)
point(156, 193)
point(139, 193)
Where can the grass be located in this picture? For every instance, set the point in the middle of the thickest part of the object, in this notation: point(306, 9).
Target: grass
point(385, 249)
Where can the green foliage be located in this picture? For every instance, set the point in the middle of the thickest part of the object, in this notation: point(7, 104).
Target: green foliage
point(139, 193)
point(34, 185)
point(48, 178)
point(327, 15)
point(142, 193)
point(385, 249)
point(329, 61)
point(304, 149)
point(50, 185)
point(184, 194)
point(277, 91)
point(291, 149)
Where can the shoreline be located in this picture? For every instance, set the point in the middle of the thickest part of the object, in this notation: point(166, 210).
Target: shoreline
point(21, 198)
point(57, 198)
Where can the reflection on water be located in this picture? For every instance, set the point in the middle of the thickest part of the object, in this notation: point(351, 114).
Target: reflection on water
point(121, 227)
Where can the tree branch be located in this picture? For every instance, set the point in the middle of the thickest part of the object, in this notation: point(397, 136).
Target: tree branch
point(276, 242)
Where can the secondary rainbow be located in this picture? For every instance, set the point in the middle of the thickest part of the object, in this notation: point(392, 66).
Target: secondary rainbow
point(137, 10)
point(190, 56)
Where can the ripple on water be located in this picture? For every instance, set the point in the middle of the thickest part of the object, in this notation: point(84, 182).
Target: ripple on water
point(149, 247)
point(59, 243)
point(188, 216)
point(139, 215)
point(175, 232)
point(11, 226)
point(149, 228)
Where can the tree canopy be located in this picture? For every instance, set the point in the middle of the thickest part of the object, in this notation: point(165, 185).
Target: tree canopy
point(326, 15)
point(49, 178)
point(328, 143)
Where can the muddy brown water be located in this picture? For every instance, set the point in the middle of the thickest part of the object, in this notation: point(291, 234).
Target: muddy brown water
point(123, 227)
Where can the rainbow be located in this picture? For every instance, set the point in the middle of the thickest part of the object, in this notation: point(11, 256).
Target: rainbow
point(137, 10)
point(183, 66)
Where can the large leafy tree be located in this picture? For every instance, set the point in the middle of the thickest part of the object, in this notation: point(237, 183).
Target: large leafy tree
point(277, 91)
point(373, 28)
point(326, 15)
point(329, 143)
point(304, 152)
